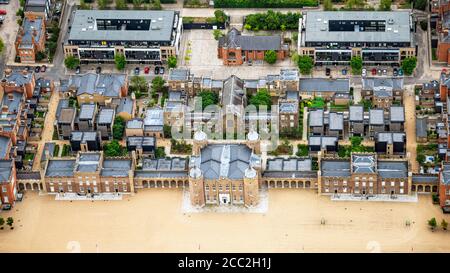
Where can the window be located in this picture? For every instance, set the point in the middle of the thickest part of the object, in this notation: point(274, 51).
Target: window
point(383, 183)
point(207, 188)
point(392, 183)
point(4, 189)
point(401, 191)
point(81, 189)
point(402, 183)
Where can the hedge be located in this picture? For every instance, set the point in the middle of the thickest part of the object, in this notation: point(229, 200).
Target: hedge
point(265, 3)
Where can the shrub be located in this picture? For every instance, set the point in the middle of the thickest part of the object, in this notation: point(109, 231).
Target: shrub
point(71, 62)
point(270, 57)
point(305, 64)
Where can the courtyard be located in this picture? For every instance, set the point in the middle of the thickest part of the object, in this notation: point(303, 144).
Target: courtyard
point(152, 221)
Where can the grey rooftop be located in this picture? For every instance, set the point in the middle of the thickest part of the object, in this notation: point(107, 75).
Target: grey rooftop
point(324, 85)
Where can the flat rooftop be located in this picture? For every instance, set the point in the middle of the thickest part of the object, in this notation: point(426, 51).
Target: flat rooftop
point(358, 26)
point(158, 25)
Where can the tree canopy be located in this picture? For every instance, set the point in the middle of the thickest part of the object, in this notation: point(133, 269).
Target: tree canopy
point(118, 127)
point(138, 85)
point(220, 16)
point(270, 56)
point(113, 148)
point(120, 61)
point(71, 62)
point(385, 5)
point(265, 4)
point(158, 84)
point(409, 64)
point(172, 61)
point(208, 98)
point(356, 64)
point(262, 97)
point(272, 20)
point(305, 64)
point(2, 46)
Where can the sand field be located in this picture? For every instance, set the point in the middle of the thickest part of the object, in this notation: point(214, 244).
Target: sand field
point(152, 221)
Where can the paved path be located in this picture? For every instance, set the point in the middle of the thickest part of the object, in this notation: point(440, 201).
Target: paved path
point(410, 126)
point(47, 133)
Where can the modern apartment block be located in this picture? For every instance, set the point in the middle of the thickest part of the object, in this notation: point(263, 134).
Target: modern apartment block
point(378, 37)
point(142, 36)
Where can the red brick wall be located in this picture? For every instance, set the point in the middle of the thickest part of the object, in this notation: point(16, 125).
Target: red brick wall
point(222, 53)
point(442, 52)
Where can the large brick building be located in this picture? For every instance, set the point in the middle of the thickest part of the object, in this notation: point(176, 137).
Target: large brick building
point(31, 38)
point(235, 48)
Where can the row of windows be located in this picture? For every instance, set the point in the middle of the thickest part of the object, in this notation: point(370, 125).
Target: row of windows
point(227, 187)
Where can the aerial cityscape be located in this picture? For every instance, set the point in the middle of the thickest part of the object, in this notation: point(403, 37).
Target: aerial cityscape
point(224, 126)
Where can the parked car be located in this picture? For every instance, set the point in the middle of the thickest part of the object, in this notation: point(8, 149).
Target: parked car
point(37, 69)
point(2, 18)
point(395, 72)
point(379, 72)
point(344, 71)
point(6, 206)
point(400, 72)
point(161, 70)
point(384, 72)
point(327, 71)
point(364, 72)
point(2, 12)
point(374, 71)
point(98, 70)
point(146, 70)
point(156, 70)
point(249, 62)
point(43, 68)
point(136, 71)
point(78, 70)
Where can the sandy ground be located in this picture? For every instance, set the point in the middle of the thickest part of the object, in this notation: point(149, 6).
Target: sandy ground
point(152, 221)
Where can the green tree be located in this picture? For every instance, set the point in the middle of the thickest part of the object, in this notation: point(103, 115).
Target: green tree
point(327, 5)
point(2, 46)
point(385, 5)
point(120, 61)
point(2, 222)
point(172, 61)
point(444, 224)
point(102, 4)
point(20, 13)
point(432, 223)
point(367, 104)
point(355, 4)
point(167, 129)
point(158, 84)
point(220, 16)
point(118, 127)
point(408, 65)
point(208, 98)
point(356, 64)
point(156, 5)
point(137, 4)
point(83, 5)
point(138, 85)
point(71, 62)
point(305, 64)
point(10, 222)
point(121, 5)
point(424, 25)
point(217, 33)
point(270, 56)
point(160, 152)
point(356, 141)
point(420, 4)
point(262, 97)
point(113, 148)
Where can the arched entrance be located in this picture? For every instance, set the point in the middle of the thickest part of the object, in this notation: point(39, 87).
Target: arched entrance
point(420, 188)
point(21, 187)
point(35, 186)
point(158, 184)
point(413, 188)
point(434, 188)
point(307, 184)
point(286, 184)
point(28, 186)
point(300, 184)
point(166, 184)
point(279, 184)
point(145, 184)
point(427, 188)
point(173, 184)
point(151, 184)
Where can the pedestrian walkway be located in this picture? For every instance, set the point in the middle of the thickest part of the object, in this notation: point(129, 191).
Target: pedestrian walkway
point(96, 197)
point(375, 198)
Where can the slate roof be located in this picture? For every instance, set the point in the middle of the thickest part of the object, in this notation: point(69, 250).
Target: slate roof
point(32, 29)
point(135, 123)
point(60, 168)
point(106, 116)
point(356, 113)
point(397, 114)
point(87, 111)
point(382, 83)
point(233, 91)
point(323, 141)
point(5, 170)
point(376, 117)
point(4, 143)
point(179, 74)
point(88, 162)
point(28, 176)
point(392, 169)
point(66, 115)
point(324, 85)
point(425, 178)
point(19, 78)
point(336, 121)
point(316, 117)
point(116, 167)
point(108, 85)
point(125, 106)
point(390, 137)
point(224, 160)
point(234, 39)
point(335, 168)
point(421, 127)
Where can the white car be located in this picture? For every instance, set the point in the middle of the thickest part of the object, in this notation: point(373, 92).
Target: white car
point(364, 72)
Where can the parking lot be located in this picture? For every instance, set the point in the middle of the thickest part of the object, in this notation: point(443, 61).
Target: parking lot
point(200, 47)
